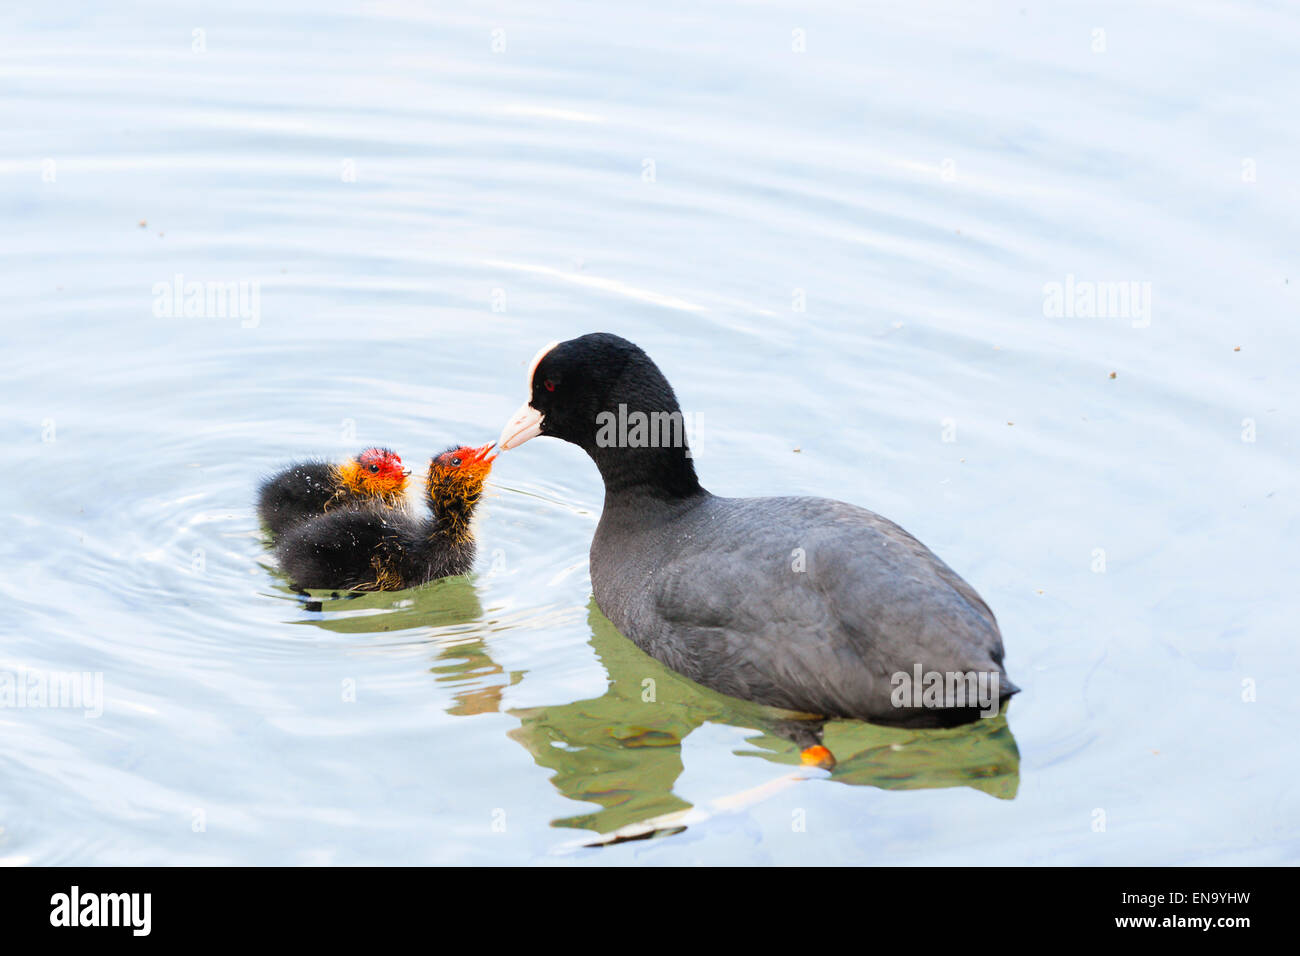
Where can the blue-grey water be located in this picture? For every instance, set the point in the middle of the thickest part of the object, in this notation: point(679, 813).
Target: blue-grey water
point(879, 250)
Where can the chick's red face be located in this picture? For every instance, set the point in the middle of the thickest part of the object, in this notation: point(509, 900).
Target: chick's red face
point(465, 464)
point(377, 471)
point(381, 462)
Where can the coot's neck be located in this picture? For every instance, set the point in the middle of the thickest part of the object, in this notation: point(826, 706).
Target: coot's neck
point(639, 473)
point(451, 525)
point(637, 438)
point(452, 509)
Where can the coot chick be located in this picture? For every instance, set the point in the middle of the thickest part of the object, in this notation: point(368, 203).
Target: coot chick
point(309, 488)
point(374, 548)
point(807, 604)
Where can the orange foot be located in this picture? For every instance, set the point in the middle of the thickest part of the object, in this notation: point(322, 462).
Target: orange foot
point(817, 756)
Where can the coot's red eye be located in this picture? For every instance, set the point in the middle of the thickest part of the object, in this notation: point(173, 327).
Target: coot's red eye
point(550, 386)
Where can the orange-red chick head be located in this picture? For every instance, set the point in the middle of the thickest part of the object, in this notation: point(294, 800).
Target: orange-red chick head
point(375, 473)
point(455, 482)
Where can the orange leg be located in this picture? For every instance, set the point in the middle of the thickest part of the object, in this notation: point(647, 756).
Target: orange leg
point(817, 756)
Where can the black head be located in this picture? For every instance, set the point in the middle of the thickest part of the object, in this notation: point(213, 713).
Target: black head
point(605, 395)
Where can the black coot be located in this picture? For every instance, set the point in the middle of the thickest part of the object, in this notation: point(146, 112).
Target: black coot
point(376, 548)
point(808, 604)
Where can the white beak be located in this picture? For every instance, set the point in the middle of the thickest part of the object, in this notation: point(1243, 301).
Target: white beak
point(523, 425)
point(527, 422)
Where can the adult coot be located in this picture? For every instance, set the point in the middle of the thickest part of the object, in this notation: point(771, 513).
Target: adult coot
point(808, 604)
point(377, 548)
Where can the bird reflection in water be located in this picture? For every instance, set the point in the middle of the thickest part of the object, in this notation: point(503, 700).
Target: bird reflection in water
point(450, 605)
point(622, 752)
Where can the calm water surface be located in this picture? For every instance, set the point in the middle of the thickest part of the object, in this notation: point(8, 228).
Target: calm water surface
point(836, 243)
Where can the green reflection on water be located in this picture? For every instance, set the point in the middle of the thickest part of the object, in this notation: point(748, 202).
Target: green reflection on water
point(446, 602)
point(622, 750)
point(452, 607)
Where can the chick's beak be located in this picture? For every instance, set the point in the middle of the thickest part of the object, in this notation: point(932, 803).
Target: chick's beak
point(485, 453)
point(524, 424)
